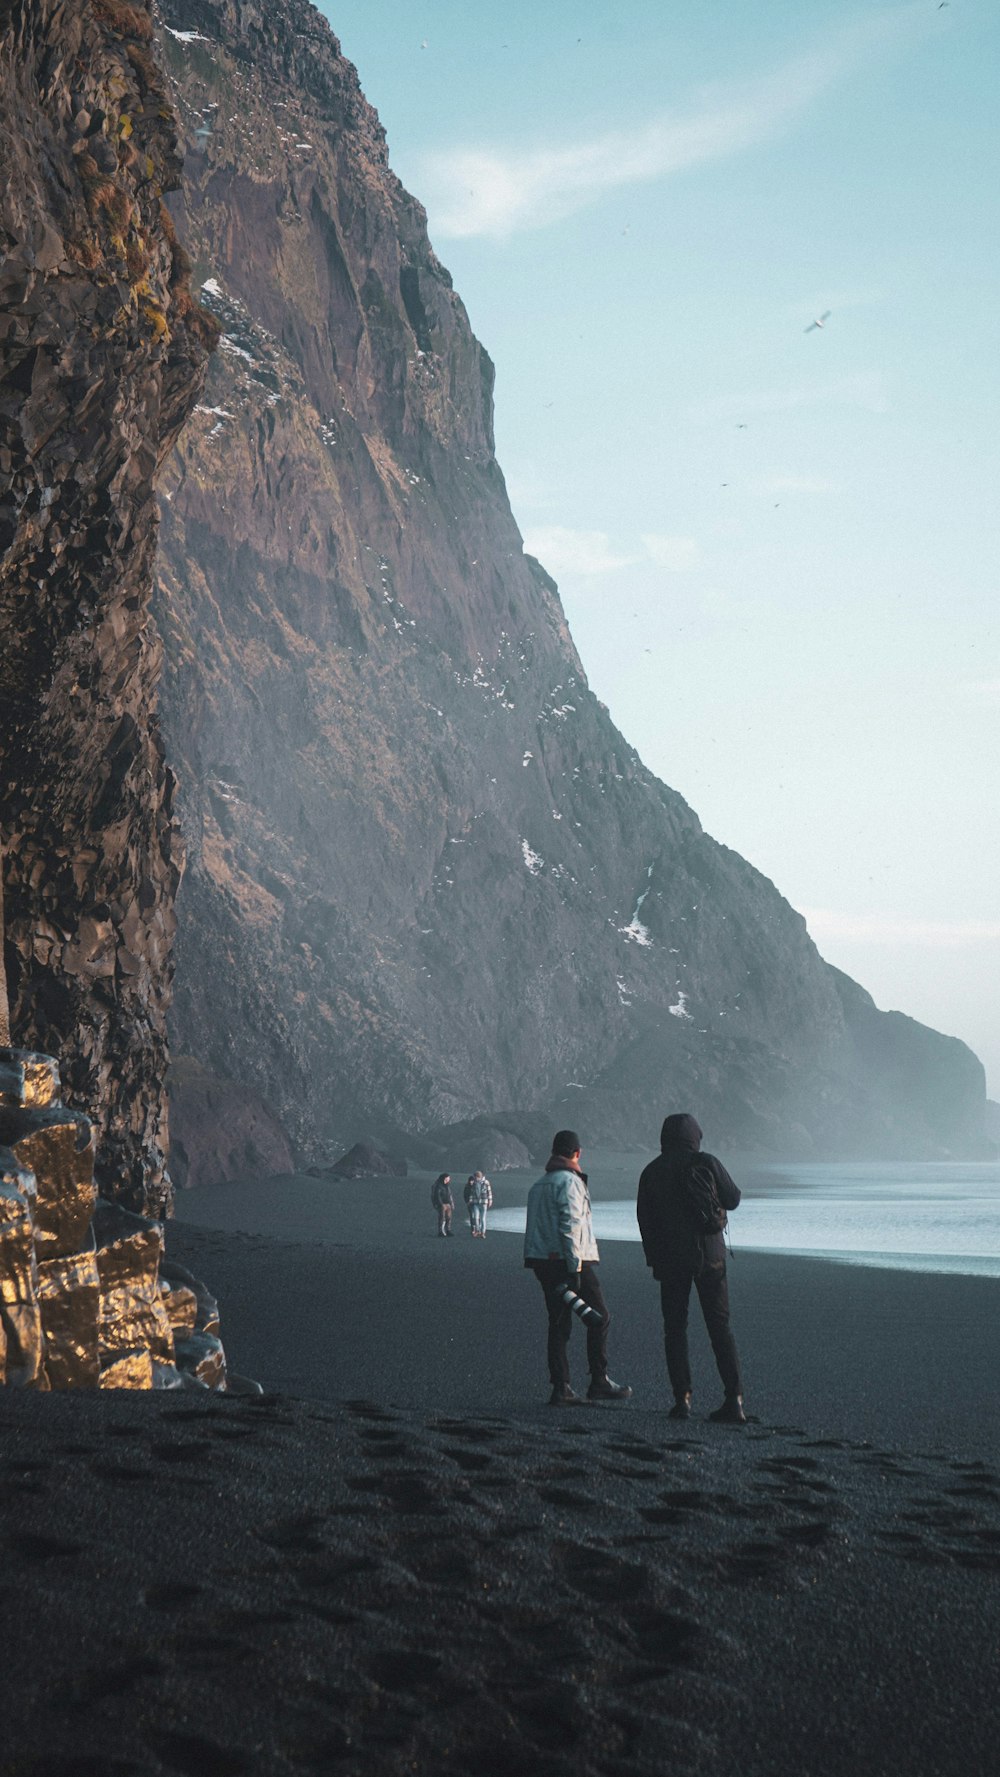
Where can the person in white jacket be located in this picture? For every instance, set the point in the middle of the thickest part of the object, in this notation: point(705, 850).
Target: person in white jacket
point(478, 1196)
point(559, 1247)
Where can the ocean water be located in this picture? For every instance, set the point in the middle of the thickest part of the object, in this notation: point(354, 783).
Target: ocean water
point(931, 1217)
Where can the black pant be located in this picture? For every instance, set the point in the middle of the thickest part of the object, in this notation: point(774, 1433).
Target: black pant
point(551, 1274)
point(713, 1294)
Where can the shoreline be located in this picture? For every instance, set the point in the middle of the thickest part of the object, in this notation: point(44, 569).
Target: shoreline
point(330, 1290)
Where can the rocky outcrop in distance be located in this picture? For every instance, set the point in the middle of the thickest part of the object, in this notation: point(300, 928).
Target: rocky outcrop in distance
point(102, 353)
point(429, 881)
point(365, 1160)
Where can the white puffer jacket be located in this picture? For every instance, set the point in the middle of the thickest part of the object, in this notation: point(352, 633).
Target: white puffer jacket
point(559, 1224)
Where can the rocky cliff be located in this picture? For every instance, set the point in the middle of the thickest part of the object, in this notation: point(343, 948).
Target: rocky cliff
point(428, 878)
point(102, 353)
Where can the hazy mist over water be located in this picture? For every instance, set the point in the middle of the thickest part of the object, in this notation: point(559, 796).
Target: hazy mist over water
point(915, 1217)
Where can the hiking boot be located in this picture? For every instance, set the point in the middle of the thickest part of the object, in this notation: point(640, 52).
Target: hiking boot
point(603, 1389)
point(731, 1412)
point(562, 1396)
point(681, 1408)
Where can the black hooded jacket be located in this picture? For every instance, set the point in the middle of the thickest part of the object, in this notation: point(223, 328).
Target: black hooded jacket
point(670, 1239)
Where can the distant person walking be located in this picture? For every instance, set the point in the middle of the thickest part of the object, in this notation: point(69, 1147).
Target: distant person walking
point(479, 1197)
point(443, 1202)
point(681, 1208)
point(559, 1247)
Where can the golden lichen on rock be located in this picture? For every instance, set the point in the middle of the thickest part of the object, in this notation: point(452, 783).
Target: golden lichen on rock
point(83, 1303)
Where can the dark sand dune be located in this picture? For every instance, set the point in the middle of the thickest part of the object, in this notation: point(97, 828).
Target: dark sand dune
point(343, 1585)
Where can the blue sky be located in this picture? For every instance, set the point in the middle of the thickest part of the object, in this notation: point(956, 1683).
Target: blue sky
point(777, 549)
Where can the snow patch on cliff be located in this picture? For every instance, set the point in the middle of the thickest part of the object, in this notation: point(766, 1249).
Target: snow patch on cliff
point(635, 931)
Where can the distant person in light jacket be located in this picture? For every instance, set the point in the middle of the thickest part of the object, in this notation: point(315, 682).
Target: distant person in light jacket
point(478, 1195)
point(683, 1197)
point(559, 1247)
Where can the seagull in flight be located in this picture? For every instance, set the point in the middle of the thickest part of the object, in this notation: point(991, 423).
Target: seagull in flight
point(820, 321)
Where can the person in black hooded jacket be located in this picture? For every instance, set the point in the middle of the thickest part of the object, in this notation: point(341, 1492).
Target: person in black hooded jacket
point(681, 1194)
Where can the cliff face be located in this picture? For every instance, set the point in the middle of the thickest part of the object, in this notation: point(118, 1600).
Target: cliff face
point(428, 879)
point(102, 352)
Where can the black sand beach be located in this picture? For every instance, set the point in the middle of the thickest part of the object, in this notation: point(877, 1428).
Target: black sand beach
point(400, 1560)
point(331, 1289)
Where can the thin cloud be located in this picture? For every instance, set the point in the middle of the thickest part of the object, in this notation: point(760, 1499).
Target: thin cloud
point(677, 554)
point(889, 929)
point(983, 694)
point(565, 551)
point(793, 484)
point(499, 191)
point(864, 389)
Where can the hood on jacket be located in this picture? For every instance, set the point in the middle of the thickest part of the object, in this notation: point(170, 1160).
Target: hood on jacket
point(681, 1131)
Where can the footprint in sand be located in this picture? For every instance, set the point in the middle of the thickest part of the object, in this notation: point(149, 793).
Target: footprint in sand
point(334, 1570)
point(444, 1565)
point(404, 1669)
point(296, 1535)
point(638, 1452)
point(405, 1491)
point(187, 1450)
point(553, 1640)
point(472, 1460)
point(665, 1515)
point(196, 1756)
point(123, 1471)
point(96, 1684)
point(371, 1410)
point(664, 1637)
point(810, 1534)
point(331, 1614)
point(84, 1765)
point(33, 1545)
point(568, 1499)
point(600, 1576)
point(753, 1561)
point(469, 1431)
point(171, 1595)
point(692, 1498)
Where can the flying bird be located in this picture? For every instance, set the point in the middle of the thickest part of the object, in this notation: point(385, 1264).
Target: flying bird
point(820, 321)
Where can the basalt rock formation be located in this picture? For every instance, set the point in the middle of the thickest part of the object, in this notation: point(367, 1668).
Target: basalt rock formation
point(366, 1161)
point(102, 353)
point(86, 1297)
point(428, 879)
